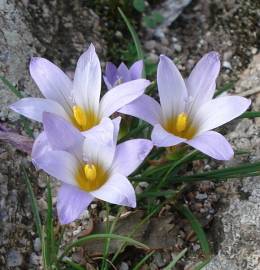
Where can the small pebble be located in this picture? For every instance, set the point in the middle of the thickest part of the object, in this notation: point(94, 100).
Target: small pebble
point(227, 65)
point(201, 196)
point(124, 266)
point(37, 244)
point(14, 258)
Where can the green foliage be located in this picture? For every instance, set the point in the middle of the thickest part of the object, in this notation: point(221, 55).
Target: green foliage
point(139, 5)
point(153, 20)
point(175, 260)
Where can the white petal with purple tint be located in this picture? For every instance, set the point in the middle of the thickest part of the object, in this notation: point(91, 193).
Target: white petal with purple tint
point(136, 70)
point(130, 154)
point(162, 138)
point(117, 190)
point(33, 108)
point(71, 202)
point(212, 144)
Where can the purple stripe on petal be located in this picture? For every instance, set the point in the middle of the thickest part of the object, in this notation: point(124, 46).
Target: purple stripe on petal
point(117, 190)
point(130, 154)
point(71, 202)
point(162, 138)
point(212, 144)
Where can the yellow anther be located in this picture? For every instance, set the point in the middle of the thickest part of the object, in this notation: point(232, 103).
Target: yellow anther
point(181, 122)
point(80, 116)
point(90, 172)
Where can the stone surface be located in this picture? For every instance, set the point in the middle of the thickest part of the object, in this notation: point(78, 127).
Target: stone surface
point(238, 222)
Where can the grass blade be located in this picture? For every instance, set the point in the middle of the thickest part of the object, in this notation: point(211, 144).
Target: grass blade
point(140, 54)
point(250, 115)
point(33, 201)
point(243, 170)
point(50, 243)
point(83, 240)
point(139, 264)
point(175, 260)
point(11, 87)
point(201, 265)
point(196, 226)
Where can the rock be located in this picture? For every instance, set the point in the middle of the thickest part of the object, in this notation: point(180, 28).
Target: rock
point(177, 47)
point(227, 65)
point(201, 196)
point(35, 259)
point(123, 266)
point(37, 244)
point(150, 45)
point(14, 258)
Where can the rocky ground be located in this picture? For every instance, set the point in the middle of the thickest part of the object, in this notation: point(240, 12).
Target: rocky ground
point(61, 32)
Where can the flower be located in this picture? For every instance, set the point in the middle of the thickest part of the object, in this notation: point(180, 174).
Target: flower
point(89, 165)
point(188, 111)
point(115, 76)
point(76, 101)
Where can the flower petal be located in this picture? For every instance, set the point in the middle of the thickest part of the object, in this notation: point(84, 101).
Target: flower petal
point(87, 80)
point(123, 73)
point(145, 108)
point(99, 146)
point(110, 75)
point(59, 164)
point(130, 154)
point(33, 108)
point(121, 95)
point(171, 87)
point(116, 122)
point(162, 138)
point(212, 144)
point(71, 202)
point(62, 135)
point(136, 70)
point(40, 145)
point(219, 111)
point(201, 83)
point(117, 190)
point(52, 81)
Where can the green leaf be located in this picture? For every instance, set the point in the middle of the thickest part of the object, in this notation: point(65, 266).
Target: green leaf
point(243, 170)
point(139, 264)
point(175, 260)
point(85, 239)
point(50, 241)
point(139, 5)
point(196, 226)
point(11, 87)
point(250, 115)
point(140, 54)
point(34, 206)
point(226, 87)
point(201, 265)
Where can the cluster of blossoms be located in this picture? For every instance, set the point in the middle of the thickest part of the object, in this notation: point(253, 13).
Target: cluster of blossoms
point(79, 143)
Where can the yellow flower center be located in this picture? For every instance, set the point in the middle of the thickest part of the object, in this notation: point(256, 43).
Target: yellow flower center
point(90, 172)
point(180, 126)
point(91, 177)
point(84, 120)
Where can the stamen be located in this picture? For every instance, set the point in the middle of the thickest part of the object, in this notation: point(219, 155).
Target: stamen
point(90, 172)
point(181, 122)
point(80, 116)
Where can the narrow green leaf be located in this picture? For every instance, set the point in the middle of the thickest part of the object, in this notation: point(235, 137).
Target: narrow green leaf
point(224, 88)
point(34, 206)
point(73, 265)
point(175, 260)
point(11, 87)
point(243, 170)
point(139, 5)
point(50, 242)
point(85, 239)
point(144, 259)
point(250, 115)
point(196, 226)
point(201, 265)
point(140, 54)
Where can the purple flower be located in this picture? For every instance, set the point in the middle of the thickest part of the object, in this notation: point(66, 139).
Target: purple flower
point(89, 164)
point(187, 112)
point(115, 76)
point(77, 101)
